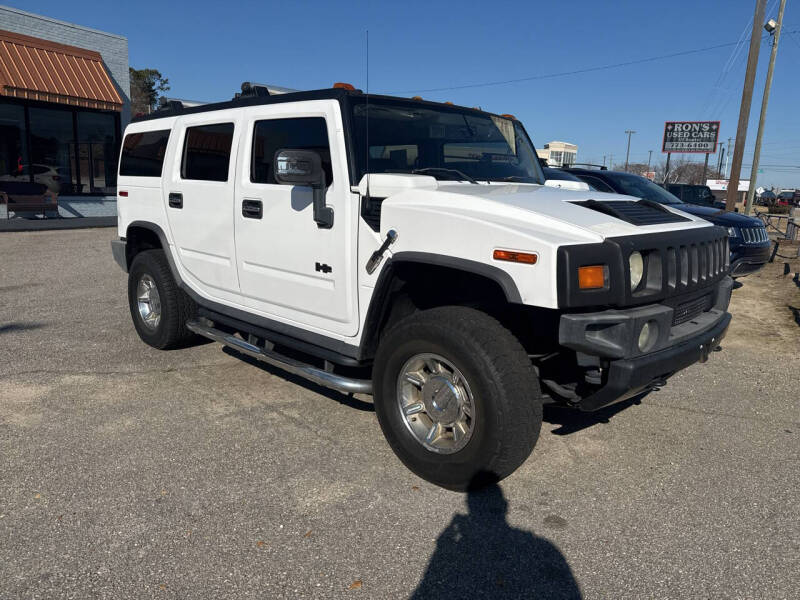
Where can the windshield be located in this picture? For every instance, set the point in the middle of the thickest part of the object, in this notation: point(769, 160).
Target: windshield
point(448, 144)
point(633, 185)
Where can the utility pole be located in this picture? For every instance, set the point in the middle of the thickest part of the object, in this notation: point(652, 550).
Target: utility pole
point(775, 30)
point(744, 109)
point(727, 158)
point(630, 132)
point(611, 161)
point(649, 158)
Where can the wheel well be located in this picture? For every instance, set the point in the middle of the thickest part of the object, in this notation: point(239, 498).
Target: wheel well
point(408, 287)
point(138, 239)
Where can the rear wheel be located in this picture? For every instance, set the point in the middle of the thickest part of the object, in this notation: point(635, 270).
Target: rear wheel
point(456, 397)
point(159, 308)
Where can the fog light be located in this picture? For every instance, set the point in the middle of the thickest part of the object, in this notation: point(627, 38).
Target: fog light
point(636, 264)
point(648, 336)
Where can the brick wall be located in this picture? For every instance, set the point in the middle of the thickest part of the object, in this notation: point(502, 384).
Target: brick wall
point(113, 48)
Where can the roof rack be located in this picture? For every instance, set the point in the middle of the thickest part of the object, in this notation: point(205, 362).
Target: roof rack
point(261, 90)
point(600, 167)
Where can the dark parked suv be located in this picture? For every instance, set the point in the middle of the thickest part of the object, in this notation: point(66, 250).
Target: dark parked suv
point(749, 243)
point(694, 194)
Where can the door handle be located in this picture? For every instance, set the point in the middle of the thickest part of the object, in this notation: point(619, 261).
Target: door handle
point(176, 200)
point(252, 209)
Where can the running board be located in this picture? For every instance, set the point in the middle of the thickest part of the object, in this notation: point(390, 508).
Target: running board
point(318, 376)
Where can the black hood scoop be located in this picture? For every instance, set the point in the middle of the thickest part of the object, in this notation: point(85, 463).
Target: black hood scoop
point(640, 212)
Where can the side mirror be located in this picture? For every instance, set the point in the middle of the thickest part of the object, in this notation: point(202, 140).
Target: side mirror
point(304, 167)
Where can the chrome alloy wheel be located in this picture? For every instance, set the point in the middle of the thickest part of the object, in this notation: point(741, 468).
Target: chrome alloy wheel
point(435, 403)
point(149, 302)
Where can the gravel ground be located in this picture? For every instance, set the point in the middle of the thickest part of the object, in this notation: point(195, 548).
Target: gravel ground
point(126, 472)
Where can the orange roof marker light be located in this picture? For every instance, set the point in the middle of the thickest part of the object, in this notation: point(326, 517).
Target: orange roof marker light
point(450, 103)
point(416, 97)
point(344, 86)
point(592, 277)
point(508, 116)
point(526, 258)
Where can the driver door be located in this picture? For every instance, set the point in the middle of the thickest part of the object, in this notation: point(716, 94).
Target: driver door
point(291, 269)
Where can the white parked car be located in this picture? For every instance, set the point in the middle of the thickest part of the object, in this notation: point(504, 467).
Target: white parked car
point(45, 174)
point(420, 260)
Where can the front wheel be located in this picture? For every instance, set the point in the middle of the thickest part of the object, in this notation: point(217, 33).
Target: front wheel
point(456, 397)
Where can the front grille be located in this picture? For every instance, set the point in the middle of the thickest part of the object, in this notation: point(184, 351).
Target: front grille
point(642, 212)
point(689, 310)
point(754, 235)
point(695, 264)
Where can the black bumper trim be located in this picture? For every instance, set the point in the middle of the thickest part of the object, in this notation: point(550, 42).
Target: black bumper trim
point(628, 377)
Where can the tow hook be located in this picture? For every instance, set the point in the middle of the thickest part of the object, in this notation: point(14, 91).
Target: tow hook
point(377, 256)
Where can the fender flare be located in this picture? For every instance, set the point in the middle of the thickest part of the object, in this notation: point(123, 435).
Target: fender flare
point(383, 287)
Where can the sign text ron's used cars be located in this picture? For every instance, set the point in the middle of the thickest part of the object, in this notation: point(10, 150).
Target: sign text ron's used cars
point(690, 136)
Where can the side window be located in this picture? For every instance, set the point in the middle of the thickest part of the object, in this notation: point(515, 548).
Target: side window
point(207, 152)
point(307, 133)
point(598, 184)
point(143, 153)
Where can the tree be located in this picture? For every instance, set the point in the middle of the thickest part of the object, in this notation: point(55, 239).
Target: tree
point(146, 86)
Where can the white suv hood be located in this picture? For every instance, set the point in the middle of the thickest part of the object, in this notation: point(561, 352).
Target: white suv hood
point(558, 204)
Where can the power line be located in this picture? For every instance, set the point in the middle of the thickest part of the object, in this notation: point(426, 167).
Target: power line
point(576, 71)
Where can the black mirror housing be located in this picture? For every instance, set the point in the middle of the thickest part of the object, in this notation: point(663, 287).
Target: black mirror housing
point(304, 167)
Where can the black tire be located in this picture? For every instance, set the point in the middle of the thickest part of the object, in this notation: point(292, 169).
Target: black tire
point(176, 307)
point(504, 387)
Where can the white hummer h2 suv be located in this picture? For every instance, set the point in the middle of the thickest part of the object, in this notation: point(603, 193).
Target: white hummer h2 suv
point(408, 249)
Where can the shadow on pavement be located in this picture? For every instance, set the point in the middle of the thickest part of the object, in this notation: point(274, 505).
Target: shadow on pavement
point(572, 420)
point(479, 555)
point(11, 327)
point(341, 398)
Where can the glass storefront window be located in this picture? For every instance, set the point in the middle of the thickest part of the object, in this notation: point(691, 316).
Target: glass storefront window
point(97, 145)
point(49, 152)
point(13, 139)
point(51, 139)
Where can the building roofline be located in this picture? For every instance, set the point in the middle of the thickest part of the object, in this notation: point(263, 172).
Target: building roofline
point(63, 23)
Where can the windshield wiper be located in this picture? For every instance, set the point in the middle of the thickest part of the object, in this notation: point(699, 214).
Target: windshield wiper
point(460, 174)
point(519, 178)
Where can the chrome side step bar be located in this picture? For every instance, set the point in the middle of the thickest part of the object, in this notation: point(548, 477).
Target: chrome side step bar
point(318, 376)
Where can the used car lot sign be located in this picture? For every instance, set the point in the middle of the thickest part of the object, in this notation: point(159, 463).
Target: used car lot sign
point(690, 136)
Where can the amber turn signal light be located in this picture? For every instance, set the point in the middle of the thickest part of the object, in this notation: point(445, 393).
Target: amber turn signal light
point(592, 278)
point(518, 257)
point(344, 86)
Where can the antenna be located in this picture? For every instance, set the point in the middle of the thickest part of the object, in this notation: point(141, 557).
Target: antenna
point(367, 121)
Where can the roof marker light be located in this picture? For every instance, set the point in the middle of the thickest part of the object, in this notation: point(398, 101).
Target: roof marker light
point(508, 116)
point(344, 86)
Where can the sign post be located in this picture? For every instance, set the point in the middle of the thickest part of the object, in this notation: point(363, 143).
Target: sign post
point(690, 137)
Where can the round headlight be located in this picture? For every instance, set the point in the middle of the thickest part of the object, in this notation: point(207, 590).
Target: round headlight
point(636, 264)
point(648, 335)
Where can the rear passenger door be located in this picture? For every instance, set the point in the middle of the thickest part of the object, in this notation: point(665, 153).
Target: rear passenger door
point(198, 194)
point(290, 269)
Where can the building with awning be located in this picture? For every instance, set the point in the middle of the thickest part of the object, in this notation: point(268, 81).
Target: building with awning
point(64, 100)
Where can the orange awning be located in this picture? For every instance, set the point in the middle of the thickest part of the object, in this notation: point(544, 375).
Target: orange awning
point(41, 70)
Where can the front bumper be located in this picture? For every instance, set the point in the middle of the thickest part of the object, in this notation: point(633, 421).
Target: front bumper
point(749, 259)
point(609, 338)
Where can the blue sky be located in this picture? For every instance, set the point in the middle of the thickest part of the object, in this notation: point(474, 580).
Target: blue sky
point(207, 49)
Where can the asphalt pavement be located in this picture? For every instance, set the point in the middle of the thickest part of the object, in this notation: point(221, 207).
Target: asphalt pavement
point(127, 472)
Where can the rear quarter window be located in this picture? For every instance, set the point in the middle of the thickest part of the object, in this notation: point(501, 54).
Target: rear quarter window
point(143, 153)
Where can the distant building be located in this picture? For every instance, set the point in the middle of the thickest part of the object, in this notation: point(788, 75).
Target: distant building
point(64, 101)
point(559, 154)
